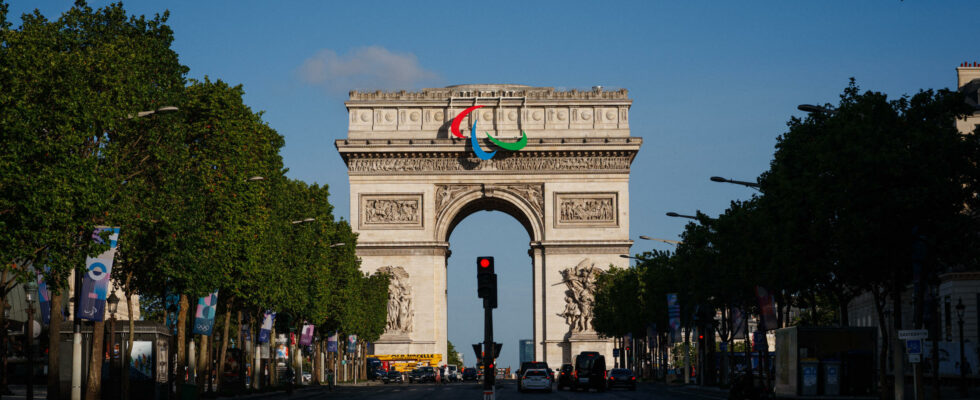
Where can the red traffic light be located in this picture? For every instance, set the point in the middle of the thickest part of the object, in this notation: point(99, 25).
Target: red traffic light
point(484, 262)
point(700, 337)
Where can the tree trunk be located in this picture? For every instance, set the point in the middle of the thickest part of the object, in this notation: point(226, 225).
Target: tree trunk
point(273, 364)
point(54, 344)
point(844, 315)
point(93, 386)
point(128, 354)
point(182, 339)
point(879, 300)
point(202, 364)
point(224, 340)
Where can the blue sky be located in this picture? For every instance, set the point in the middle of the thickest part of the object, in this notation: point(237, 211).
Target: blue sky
point(713, 84)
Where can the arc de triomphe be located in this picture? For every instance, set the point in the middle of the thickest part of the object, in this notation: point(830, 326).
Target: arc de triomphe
point(412, 182)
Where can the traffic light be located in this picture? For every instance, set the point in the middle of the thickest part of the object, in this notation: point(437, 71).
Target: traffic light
point(486, 281)
point(496, 349)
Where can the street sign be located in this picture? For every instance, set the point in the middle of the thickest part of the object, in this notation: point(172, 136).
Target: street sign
point(914, 346)
point(915, 358)
point(913, 334)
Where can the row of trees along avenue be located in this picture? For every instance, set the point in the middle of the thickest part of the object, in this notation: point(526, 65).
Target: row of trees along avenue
point(859, 198)
point(199, 192)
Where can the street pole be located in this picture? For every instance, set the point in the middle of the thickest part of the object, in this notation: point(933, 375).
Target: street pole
point(960, 310)
point(30, 347)
point(4, 390)
point(488, 348)
point(76, 342)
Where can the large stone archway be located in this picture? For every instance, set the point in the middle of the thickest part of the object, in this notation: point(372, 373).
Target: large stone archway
point(412, 182)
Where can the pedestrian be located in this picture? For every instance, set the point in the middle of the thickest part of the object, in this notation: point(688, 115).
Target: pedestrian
point(330, 379)
point(289, 380)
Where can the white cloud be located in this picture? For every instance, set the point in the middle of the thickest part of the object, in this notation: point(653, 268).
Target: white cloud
point(365, 68)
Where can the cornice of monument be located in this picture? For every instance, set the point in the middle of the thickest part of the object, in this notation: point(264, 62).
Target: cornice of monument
point(489, 93)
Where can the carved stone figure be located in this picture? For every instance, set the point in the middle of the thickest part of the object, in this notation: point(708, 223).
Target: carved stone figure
point(445, 194)
point(532, 192)
point(391, 211)
point(580, 296)
point(400, 311)
point(587, 209)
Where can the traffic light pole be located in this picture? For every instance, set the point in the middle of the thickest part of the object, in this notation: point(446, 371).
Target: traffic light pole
point(489, 375)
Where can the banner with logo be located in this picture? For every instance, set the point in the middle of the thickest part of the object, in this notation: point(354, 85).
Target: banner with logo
point(44, 297)
point(332, 343)
point(266, 329)
point(172, 303)
point(739, 323)
point(352, 343)
point(95, 283)
point(204, 318)
point(674, 315)
point(306, 338)
point(767, 309)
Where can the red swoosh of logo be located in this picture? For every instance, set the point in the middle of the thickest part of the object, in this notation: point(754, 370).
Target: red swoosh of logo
point(459, 119)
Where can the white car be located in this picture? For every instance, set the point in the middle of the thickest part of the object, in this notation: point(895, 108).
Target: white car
point(536, 379)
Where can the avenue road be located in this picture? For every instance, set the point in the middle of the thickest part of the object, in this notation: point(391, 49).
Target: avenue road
point(505, 391)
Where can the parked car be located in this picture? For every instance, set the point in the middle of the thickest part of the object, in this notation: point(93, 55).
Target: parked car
point(565, 376)
point(374, 369)
point(535, 379)
point(590, 371)
point(392, 376)
point(415, 375)
point(469, 374)
point(528, 365)
point(621, 377)
point(426, 374)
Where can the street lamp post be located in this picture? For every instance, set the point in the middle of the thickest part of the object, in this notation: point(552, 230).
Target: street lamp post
point(113, 303)
point(743, 183)
point(960, 310)
point(668, 241)
point(4, 390)
point(676, 215)
point(30, 291)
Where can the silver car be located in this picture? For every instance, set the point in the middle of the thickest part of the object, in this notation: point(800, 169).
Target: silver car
point(536, 379)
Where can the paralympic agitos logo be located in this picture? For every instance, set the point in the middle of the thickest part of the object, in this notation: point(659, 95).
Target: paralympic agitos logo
point(476, 145)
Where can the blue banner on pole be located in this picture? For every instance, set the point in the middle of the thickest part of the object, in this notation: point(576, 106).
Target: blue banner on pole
point(95, 283)
point(266, 329)
point(674, 314)
point(332, 343)
point(44, 296)
point(204, 317)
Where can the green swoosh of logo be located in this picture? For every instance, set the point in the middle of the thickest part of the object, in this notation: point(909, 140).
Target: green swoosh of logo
point(510, 146)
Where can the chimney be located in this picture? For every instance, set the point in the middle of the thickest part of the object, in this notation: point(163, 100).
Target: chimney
point(967, 72)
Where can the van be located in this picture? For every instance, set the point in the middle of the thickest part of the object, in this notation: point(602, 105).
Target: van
point(590, 371)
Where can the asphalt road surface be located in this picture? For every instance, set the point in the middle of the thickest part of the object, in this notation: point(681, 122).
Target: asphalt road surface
point(506, 390)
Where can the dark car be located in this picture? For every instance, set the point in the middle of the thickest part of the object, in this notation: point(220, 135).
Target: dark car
point(392, 376)
point(374, 368)
point(590, 371)
point(426, 374)
point(526, 366)
point(621, 377)
point(469, 374)
point(565, 376)
point(415, 375)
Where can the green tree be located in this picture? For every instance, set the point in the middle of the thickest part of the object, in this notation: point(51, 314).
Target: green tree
point(453, 355)
point(67, 87)
point(854, 188)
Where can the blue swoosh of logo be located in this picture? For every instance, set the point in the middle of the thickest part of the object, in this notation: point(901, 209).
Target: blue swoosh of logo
point(476, 145)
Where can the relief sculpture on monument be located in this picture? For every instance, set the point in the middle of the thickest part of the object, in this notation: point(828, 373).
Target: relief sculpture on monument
point(400, 310)
point(580, 296)
point(397, 211)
